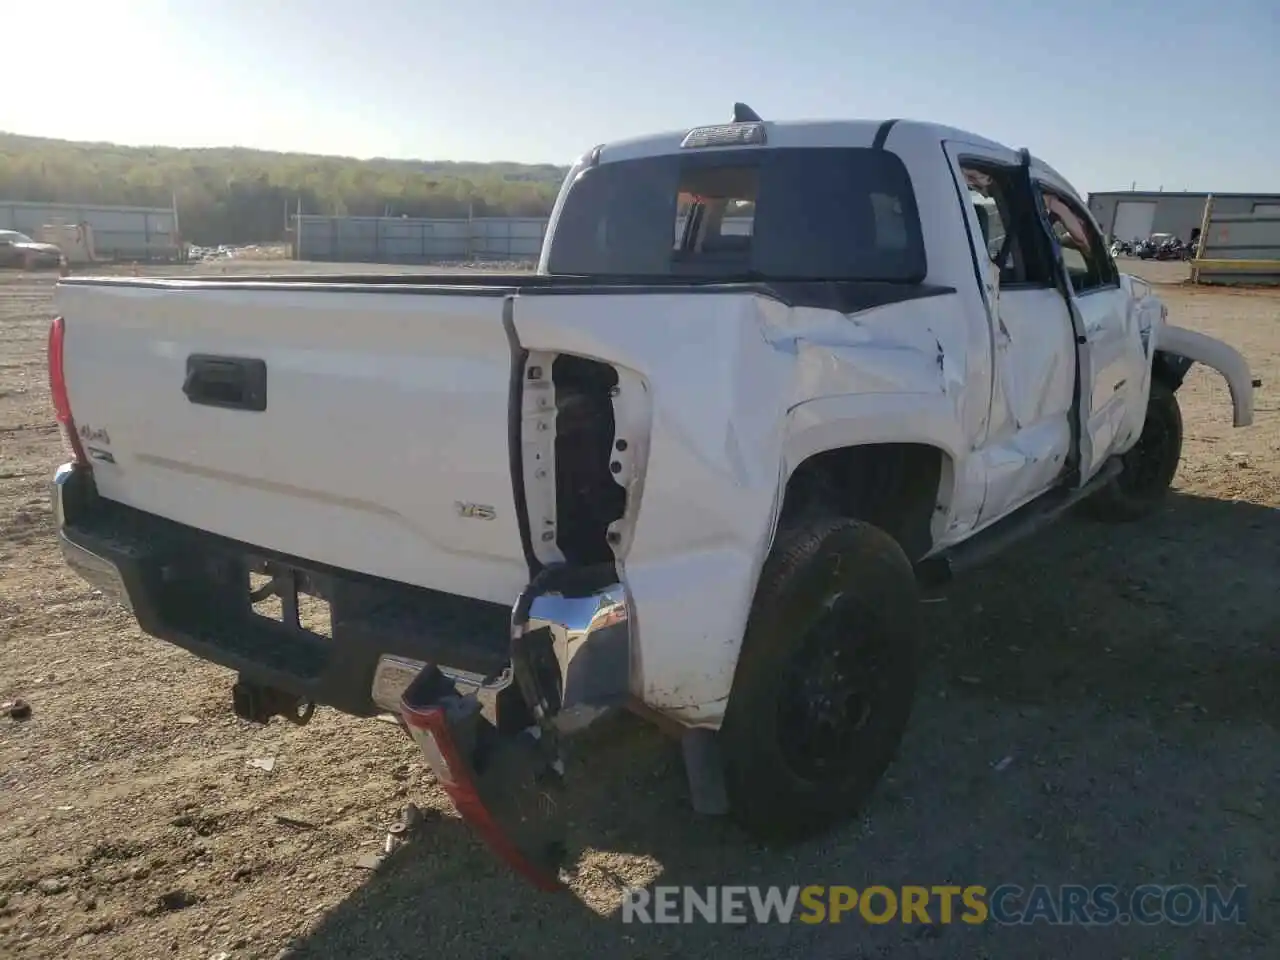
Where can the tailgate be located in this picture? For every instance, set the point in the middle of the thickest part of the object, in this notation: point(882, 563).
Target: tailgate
point(376, 441)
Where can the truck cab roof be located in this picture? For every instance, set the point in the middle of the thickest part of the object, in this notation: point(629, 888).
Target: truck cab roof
point(904, 137)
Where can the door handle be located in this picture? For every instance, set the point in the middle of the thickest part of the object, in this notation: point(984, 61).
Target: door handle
point(233, 383)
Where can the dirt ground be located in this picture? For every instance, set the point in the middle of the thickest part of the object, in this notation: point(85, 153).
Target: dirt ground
point(1100, 706)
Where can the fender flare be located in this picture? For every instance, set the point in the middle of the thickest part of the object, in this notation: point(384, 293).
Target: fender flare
point(853, 420)
point(828, 423)
point(1229, 362)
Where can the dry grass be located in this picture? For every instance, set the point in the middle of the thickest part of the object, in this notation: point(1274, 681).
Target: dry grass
point(1131, 674)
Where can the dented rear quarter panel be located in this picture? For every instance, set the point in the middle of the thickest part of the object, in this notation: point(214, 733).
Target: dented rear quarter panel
point(736, 390)
point(739, 389)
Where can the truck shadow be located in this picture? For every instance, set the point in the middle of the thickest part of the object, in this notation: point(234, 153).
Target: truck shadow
point(1178, 611)
point(1062, 657)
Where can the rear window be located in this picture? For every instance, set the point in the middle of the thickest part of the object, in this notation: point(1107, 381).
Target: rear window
point(780, 214)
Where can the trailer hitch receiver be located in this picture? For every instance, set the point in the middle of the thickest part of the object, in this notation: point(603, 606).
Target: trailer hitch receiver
point(258, 704)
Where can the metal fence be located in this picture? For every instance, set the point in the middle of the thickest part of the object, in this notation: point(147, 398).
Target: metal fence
point(1238, 248)
point(406, 240)
point(119, 233)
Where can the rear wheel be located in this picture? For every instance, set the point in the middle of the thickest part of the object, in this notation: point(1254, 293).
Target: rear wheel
point(1149, 465)
point(825, 679)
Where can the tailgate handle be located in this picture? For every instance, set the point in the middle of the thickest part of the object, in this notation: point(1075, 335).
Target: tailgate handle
point(236, 383)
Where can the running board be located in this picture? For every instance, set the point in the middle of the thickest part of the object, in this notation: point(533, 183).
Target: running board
point(995, 539)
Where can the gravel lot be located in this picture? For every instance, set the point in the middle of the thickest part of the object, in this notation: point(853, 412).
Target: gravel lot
point(1130, 673)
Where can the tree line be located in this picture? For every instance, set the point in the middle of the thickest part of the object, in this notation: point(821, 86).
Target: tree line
point(236, 195)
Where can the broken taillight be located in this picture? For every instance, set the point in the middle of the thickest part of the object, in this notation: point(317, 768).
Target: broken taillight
point(58, 389)
point(502, 786)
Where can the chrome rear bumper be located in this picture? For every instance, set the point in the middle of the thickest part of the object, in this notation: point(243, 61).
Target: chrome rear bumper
point(571, 655)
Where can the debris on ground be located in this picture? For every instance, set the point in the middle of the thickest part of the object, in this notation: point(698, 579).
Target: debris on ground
point(17, 709)
point(265, 764)
point(411, 818)
point(177, 899)
point(1000, 766)
point(410, 821)
point(291, 821)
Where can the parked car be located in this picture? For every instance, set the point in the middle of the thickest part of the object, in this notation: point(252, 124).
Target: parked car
point(20, 251)
point(703, 479)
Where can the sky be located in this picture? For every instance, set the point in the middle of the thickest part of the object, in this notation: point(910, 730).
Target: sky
point(1175, 94)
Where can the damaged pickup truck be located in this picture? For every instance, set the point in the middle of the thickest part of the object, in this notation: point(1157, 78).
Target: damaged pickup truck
point(767, 380)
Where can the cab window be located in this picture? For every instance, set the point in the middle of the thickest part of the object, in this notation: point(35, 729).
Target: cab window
point(1088, 263)
point(990, 192)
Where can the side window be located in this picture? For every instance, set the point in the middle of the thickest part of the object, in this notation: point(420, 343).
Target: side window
point(991, 194)
point(1088, 263)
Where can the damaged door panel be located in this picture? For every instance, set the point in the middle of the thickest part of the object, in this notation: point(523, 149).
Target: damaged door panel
point(1111, 348)
point(1027, 439)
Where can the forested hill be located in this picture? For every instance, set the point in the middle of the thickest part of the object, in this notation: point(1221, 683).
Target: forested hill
point(237, 195)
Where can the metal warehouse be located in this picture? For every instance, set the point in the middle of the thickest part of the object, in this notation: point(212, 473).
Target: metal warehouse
point(1136, 215)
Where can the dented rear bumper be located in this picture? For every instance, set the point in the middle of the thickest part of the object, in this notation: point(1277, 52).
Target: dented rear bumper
point(567, 642)
point(571, 649)
point(486, 711)
point(570, 659)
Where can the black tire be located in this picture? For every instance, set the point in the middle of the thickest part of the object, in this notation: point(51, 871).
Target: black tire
point(1149, 465)
point(804, 741)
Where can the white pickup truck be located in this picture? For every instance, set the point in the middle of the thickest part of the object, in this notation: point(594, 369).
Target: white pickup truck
point(766, 379)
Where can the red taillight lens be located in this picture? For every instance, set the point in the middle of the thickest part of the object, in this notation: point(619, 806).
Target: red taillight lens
point(58, 383)
point(58, 388)
point(515, 819)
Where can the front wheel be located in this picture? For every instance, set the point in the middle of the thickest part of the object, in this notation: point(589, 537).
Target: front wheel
point(825, 679)
point(1149, 465)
